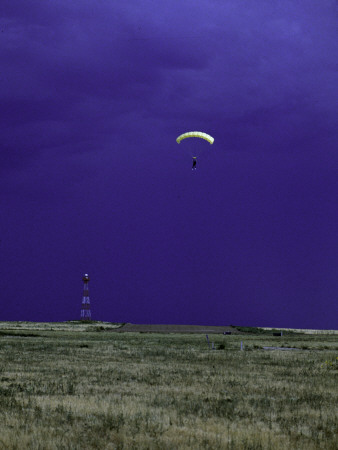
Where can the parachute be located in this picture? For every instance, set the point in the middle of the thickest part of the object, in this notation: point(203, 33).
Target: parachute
point(197, 134)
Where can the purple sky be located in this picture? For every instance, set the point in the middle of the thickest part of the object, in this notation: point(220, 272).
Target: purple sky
point(93, 95)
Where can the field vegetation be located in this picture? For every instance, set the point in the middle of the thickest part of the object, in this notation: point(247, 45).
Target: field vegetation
point(82, 386)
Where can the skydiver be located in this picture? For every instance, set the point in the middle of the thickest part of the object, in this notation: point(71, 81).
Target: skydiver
point(194, 163)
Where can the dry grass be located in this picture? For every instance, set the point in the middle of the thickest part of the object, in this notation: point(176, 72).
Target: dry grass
point(89, 389)
point(72, 325)
point(304, 331)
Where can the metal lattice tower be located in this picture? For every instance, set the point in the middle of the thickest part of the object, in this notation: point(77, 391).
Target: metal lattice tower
point(85, 311)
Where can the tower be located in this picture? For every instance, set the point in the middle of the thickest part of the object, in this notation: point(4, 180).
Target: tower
point(85, 311)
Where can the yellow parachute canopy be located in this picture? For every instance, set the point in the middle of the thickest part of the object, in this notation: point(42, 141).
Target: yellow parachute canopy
point(198, 134)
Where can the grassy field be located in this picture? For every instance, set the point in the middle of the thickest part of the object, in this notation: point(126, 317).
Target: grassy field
point(82, 386)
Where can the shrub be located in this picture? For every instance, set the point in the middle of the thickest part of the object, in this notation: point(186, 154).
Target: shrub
point(330, 364)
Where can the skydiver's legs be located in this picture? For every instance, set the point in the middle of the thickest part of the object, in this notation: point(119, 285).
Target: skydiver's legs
point(194, 164)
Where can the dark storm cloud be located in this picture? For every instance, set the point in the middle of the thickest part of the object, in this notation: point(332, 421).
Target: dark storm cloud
point(85, 65)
